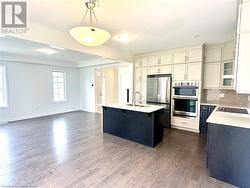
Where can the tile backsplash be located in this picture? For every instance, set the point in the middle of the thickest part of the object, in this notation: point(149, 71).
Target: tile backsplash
point(225, 97)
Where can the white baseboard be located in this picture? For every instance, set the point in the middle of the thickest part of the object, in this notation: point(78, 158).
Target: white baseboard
point(40, 115)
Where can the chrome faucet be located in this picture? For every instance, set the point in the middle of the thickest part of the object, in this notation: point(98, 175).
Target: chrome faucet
point(134, 98)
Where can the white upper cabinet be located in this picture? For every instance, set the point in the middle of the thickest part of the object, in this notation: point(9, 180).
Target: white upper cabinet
point(228, 51)
point(140, 80)
point(137, 74)
point(211, 82)
point(227, 75)
point(179, 56)
point(165, 58)
point(193, 71)
point(141, 62)
point(243, 69)
point(194, 54)
point(166, 69)
point(153, 70)
point(242, 52)
point(175, 62)
point(245, 17)
point(213, 54)
point(153, 60)
point(140, 74)
point(179, 72)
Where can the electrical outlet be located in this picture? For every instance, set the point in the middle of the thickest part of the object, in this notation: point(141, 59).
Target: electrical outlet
point(221, 95)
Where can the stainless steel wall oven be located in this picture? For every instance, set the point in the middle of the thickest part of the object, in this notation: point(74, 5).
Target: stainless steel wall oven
point(185, 99)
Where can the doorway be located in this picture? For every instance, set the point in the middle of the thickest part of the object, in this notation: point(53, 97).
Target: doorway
point(112, 83)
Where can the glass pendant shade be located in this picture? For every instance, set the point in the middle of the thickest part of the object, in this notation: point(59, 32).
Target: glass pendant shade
point(90, 36)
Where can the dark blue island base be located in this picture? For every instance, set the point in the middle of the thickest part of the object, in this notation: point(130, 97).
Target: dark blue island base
point(228, 157)
point(140, 127)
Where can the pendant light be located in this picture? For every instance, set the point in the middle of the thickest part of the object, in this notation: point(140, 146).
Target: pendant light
point(90, 35)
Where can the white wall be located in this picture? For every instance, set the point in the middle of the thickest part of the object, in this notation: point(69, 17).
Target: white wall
point(125, 77)
point(87, 91)
point(30, 91)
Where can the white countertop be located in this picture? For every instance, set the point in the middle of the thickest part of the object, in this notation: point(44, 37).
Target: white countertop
point(147, 109)
point(230, 119)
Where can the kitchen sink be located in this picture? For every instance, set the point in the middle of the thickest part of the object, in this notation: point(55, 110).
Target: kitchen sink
point(233, 110)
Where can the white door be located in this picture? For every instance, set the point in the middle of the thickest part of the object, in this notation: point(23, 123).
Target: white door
point(194, 54)
point(138, 74)
point(212, 75)
point(99, 92)
point(193, 71)
point(213, 55)
point(166, 69)
point(179, 56)
point(165, 59)
point(179, 72)
point(141, 62)
point(228, 51)
point(144, 74)
point(153, 60)
point(144, 91)
point(245, 17)
point(153, 70)
point(243, 70)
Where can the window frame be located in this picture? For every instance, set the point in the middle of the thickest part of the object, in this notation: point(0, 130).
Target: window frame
point(65, 85)
point(5, 86)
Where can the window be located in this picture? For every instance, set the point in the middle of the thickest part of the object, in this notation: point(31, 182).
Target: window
point(3, 87)
point(59, 91)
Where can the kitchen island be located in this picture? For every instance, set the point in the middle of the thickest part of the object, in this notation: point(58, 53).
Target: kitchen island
point(141, 124)
point(228, 152)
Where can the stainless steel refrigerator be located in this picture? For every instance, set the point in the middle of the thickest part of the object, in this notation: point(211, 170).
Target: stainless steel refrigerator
point(159, 93)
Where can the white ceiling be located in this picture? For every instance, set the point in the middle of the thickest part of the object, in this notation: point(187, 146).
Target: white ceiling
point(20, 48)
point(153, 24)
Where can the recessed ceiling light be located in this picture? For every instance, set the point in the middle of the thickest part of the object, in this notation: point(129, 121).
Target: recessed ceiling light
point(56, 47)
point(47, 51)
point(122, 38)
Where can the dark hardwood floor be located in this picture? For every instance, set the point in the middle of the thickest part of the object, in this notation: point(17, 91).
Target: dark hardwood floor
point(70, 150)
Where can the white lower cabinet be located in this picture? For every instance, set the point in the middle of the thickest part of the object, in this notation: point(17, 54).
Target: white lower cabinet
point(185, 123)
point(211, 75)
